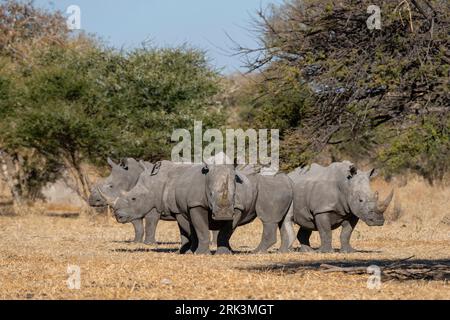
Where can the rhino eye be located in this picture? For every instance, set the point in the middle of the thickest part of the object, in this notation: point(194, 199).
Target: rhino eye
point(360, 200)
point(133, 199)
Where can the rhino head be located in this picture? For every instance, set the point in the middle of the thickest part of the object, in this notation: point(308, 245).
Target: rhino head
point(363, 202)
point(122, 178)
point(220, 189)
point(138, 201)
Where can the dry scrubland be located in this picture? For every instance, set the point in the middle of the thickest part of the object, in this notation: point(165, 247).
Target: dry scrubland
point(36, 250)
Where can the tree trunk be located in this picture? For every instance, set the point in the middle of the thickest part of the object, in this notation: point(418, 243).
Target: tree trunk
point(85, 188)
point(7, 164)
point(82, 186)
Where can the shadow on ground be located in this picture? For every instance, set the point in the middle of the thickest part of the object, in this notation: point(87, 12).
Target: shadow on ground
point(243, 250)
point(161, 243)
point(140, 250)
point(297, 249)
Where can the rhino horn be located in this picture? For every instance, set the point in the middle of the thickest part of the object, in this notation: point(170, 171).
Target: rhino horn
point(385, 204)
point(109, 200)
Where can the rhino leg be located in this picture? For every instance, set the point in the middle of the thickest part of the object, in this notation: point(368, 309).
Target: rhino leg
point(199, 220)
point(324, 226)
point(138, 230)
point(269, 237)
point(287, 232)
point(347, 229)
point(303, 236)
point(193, 240)
point(223, 238)
point(215, 234)
point(185, 234)
point(151, 222)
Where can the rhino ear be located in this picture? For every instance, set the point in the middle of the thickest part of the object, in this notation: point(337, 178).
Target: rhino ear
point(353, 171)
point(124, 164)
point(205, 169)
point(373, 173)
point(156, 168)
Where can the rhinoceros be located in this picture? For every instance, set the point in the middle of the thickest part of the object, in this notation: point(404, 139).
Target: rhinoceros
point(121, 179)
point(151, 194)
point(205, 196)
point(326, 198)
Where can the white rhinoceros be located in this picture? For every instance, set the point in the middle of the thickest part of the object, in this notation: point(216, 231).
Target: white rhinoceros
point(326, 198)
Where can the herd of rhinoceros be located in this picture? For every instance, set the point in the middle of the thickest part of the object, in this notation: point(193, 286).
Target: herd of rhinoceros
point(220, 197)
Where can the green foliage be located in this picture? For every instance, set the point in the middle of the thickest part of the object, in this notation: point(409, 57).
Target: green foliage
point(79, 101)
point(4, 90)
point(423, 149)
point(339, 90)
point(267, 105)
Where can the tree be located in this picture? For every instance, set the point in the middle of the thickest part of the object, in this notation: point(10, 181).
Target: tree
point(73, 100)
point(24, 28)
point(353, 86)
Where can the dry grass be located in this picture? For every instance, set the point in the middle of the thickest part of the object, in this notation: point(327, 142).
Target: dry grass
point(418, 206)
point(36, 250)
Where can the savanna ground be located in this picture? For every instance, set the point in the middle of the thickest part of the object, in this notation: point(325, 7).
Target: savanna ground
point(36, 251)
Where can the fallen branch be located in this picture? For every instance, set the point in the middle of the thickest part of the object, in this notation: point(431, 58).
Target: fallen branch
point(399, 270)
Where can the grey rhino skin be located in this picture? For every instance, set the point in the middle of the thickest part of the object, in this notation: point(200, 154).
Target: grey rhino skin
point(326, 198)
point(183, 192)
point(121, 179)
point(272, 197)
point(204, 195)
point(254, 197)
point(211, 190)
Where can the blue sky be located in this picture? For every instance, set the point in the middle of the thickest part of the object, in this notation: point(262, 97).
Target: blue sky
point(201, 23)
